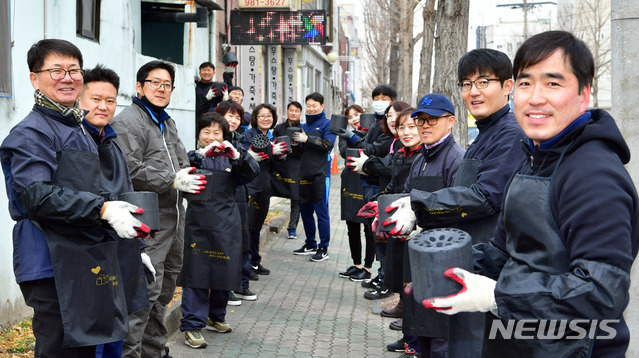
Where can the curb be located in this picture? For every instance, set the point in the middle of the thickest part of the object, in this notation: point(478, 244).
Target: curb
point(275, 226)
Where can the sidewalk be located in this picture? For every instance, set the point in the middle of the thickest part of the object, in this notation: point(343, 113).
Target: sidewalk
point(303, 308)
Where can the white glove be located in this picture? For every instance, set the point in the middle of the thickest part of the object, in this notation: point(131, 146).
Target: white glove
point(357, 164)
point(188, 183)
point(146, 261)
point(477, 294)
point(279, 148)
point(118, 215)
point(228, 150)
point(300, 137)
point(404, 218)
point(225, 95)
point(257, 156)
point(209, 149)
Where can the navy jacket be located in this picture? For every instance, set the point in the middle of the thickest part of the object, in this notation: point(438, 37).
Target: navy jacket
point(497, 147)
point(441, 160)
point(28, 156)
point(594, 204)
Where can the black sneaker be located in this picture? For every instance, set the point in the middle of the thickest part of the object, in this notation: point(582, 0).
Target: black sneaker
point(233, 300)
point(305, 250)
point(246, 295)
point(377, 293)
point(396, 346)
point(261, 270)
point(349, 272)
point(361, 275)
point(320, 255)
point(371, 283)
point(253, 276)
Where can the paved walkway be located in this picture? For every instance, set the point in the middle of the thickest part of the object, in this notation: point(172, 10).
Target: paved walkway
point(304, 309)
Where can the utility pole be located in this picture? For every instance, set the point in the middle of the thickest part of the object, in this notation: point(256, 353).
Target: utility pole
point(526, 5)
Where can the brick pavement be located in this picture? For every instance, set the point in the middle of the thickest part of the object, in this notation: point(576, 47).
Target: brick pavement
point(303, 308)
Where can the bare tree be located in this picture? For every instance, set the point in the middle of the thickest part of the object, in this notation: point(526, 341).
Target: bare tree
point(406, 48)
point(590, 21)
point(450, 45)
point(426, 53)
point(377, 44)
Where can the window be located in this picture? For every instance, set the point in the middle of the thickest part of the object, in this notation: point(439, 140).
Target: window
point(88, 19)
point(162, 33)
point(5, 50)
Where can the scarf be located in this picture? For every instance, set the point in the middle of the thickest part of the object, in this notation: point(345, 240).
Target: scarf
point(41, 99)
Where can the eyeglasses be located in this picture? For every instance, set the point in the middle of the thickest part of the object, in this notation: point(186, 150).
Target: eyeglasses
point(157, 84)
point(432, 121)
point(59, 73)
point(264, 117)
point(389, 115)
point(480, 83)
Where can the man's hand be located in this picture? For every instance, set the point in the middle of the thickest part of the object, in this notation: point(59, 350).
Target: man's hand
point(404, 218)
point(477, 294)
point(279, 148)
point(257, 156)
point(228, 150)
point(118, 215)
point(300, 137)
point(148, 267)
point(357, 164)
point(369, 210)
point(189, 183)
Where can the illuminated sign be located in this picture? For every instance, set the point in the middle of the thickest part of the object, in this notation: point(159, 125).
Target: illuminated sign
point(265, 4)
point(278, 27)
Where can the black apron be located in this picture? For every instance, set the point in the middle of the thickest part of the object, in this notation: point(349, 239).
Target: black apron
point(418, 320)
point(213, 239)
point(529, 226)
point(352, 196)
point(285, 179)
point(312, 184)
point(115, 174)
point(466, 330)
point(85, 262)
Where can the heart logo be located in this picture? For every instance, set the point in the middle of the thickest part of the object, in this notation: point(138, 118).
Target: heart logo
point(96, 270)
point(463, 215)
point(193, 245)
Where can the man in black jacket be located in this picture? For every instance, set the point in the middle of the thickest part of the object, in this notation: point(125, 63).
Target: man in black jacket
point(562, 253)
point(285, 177)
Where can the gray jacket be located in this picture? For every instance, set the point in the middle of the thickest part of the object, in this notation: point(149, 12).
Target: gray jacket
point(153, 157)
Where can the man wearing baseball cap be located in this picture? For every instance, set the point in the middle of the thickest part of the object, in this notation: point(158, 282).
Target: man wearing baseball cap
point(474, 202)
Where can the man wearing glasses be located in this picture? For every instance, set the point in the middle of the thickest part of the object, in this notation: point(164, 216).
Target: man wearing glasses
point(64, 260)
point(158, 163)
point(474, 202)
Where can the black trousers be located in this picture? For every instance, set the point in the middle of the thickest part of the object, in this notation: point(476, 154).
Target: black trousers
point(42, 296)
point(355, 243)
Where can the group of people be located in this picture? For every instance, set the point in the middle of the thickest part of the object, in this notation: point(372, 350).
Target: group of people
point(542, 192)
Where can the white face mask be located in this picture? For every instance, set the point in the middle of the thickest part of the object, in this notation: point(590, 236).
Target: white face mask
point(380, 106)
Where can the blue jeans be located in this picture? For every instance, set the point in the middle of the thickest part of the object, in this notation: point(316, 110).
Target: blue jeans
point(323, 220)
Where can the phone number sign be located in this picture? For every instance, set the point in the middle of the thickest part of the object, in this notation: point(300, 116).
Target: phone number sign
point(265, 4)
point(301, 27)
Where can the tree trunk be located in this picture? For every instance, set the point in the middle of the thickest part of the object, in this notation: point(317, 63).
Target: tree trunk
point(426, 54)
point(406, 50)
point(450, 45)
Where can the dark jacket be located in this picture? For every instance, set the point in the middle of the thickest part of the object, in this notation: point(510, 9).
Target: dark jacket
point(316, 149)
point(442, 160)
point(280, 131)
point(28, 156)
point(594, 205)
point(375, 142)
point(496, 147)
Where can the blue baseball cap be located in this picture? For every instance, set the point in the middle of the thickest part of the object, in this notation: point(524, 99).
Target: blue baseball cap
point(434, 104)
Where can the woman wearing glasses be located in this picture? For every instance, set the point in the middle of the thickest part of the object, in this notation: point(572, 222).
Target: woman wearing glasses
point(263, 119)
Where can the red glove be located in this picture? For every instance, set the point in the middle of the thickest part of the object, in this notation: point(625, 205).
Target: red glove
point(228, 150)
point(258, 156)
point(361, 129)
point(477, 294)
point(369, 210)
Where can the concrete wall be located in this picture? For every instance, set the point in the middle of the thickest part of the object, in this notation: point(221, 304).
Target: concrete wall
point(119, 49)
point(625, 58)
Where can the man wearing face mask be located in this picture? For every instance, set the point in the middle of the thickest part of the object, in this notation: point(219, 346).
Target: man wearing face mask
point(157, 162)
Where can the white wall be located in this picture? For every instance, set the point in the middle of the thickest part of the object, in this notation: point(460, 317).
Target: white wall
point(120, 43)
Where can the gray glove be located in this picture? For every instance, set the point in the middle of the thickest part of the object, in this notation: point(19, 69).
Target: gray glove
point(344, 133)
